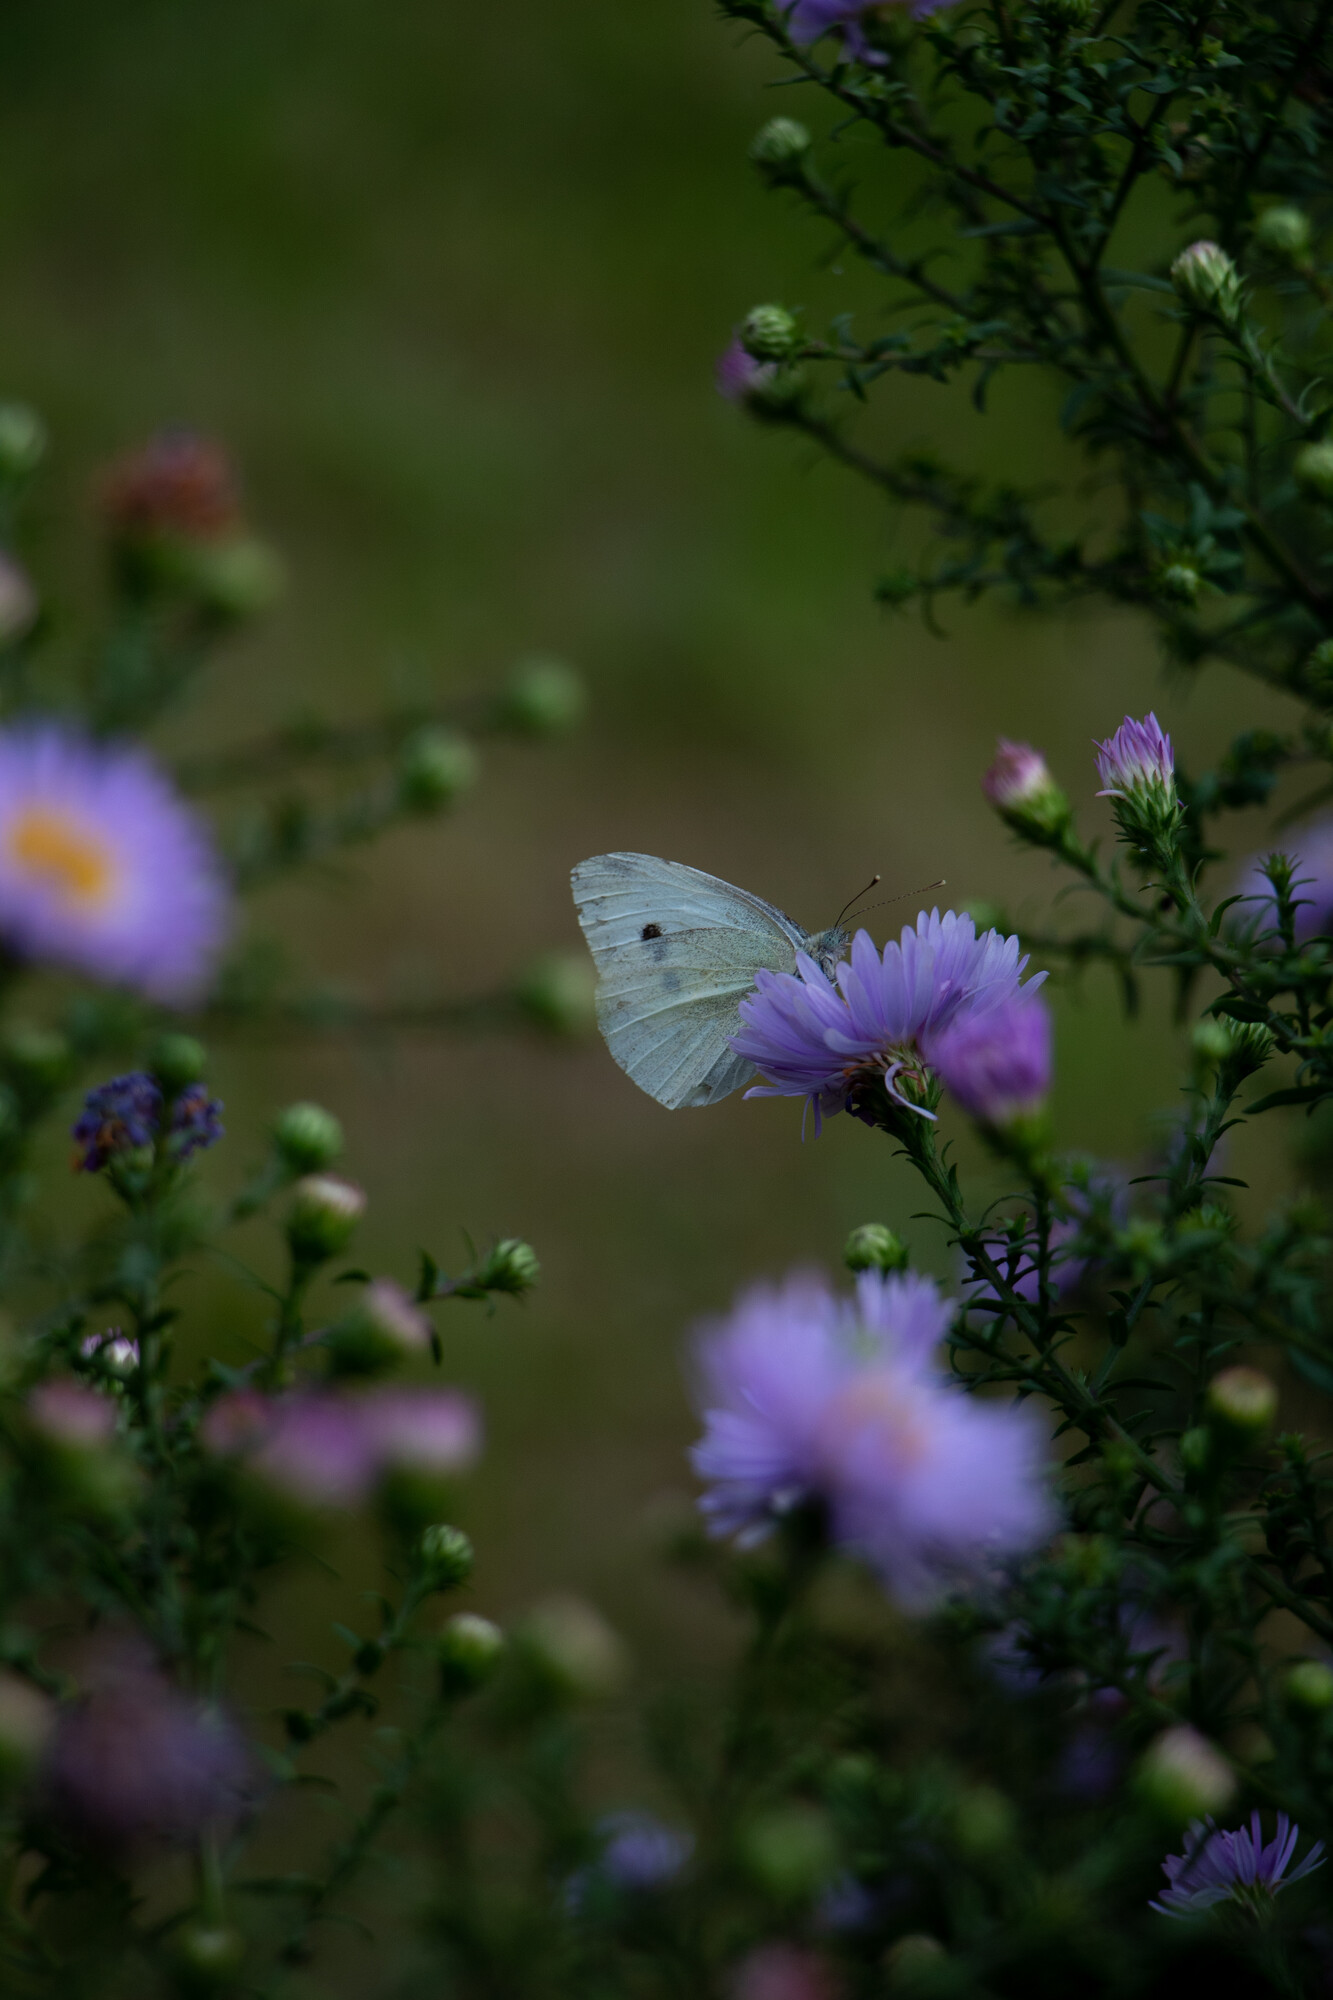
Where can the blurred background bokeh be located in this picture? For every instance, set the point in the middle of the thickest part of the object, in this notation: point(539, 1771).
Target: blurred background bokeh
point(450, 281)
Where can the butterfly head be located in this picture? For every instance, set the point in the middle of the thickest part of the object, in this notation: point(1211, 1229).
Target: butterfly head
point(827, 947)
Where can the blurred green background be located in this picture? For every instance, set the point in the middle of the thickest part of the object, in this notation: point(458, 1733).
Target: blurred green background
point(450, 282)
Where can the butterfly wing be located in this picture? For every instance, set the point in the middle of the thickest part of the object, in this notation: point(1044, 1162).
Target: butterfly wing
point(676, 952)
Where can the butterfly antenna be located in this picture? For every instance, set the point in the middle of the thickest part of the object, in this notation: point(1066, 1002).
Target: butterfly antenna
point(902, 895)
point(874, 880)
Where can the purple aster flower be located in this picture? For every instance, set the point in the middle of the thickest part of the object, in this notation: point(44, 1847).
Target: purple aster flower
point(317, 1451)
point(196, 1121)
point(1232, 1867)
point(809, 19)
point(997, 1060)
point(812, 1038)
point(102, 867)
point(1138, 759)
point(117, 1117)
point(428, 1431)
point(639, 1852)
point(738, 375)
point(1310, 850)
point(810, 1398)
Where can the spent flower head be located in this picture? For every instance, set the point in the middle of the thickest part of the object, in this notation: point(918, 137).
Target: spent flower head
point(1238, 1867)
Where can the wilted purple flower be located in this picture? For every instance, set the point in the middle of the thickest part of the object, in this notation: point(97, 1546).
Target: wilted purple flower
point(1137, 759)
point(811, 1038)
point(997, 1060)
point(811, 1398)
point(102, 867)
point(116, 1118)
point(809, 19)
point(139, 1760)
point(738, 375)
point(429, 1431)
point(1310, 850)
point(196, 1121)
point(1232, 1867)
point(784, 1972)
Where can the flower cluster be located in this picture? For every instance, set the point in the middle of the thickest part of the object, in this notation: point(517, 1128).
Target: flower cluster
point(125, 1114)
point(811, 1399)
point(942, 997)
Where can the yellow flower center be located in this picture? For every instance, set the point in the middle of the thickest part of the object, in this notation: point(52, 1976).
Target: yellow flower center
point(69, 859)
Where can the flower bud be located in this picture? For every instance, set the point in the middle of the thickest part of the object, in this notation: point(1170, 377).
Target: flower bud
point(1212, 1040)
point(770, 333)
point(780, 143)
point(511, 1266)
point(1312, 469)
point(1206, 279)
point(447, 1556)
point(1137, 769)
point(1284, 233)
point(544, 697)
point(177, 1060)
point(1308, 1688)
point(913, 1964)
point(1180, 583)
point(558, 992)
point(383, 1328)
point(18, 600)
point(308, 1138)
point(1023, 791)
point(469, 1650)
point(1242, 1404)
point(435, 767)
point(983, 1823)
point(324, 1213)
point(208, 1956)
point(37, 1062)
point(790, 1852)
point(27, 1717)
point(233, 579)
point(22, 440)
point(573, 1649)
point(1183, 1777)
point(874, 1247)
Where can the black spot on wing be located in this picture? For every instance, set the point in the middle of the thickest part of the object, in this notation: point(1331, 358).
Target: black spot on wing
point(650, 931)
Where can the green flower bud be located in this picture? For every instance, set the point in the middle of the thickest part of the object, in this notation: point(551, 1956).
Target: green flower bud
point(208, 1956)
point(1182, 1776)
point(177, 1060)
point(383, 1328)
point(1206, 279)
point(324, 1212)
point(38, 1061)
point(780, 143)
point(874, 1247)
point(573, 1649)
point(544, 698)
point(435, 767)
point(1312, 470)
point(27, 1717)
point(22, 440)
point(308, 1138)
point(232, 579)
point(770, 333)
point(1212, 1040)
point(1143, 1242)
point(559, 992)
point(1196, 1449)
point(1284, 233)
point(1308, 1688)
point(790, 1852)
point(1242, 1403)
point(983, 1823)
point(915, 1963)
point(447, 1556)
point(469, 1650)
point(1180, 582)
point(511, 1266)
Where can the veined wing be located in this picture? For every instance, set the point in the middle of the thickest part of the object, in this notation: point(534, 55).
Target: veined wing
point(676, 951)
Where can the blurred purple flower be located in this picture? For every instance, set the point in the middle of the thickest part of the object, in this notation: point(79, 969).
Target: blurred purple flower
point(431, 1431)
point(1310, 849)
point(814, 1039)
point(809, 1397)
point(784, 1972)
point(317, 1451)
point(1017, 775)
point(236, 1423)
point(1136, 759)
point(1232, 1867)
point(114, 1350)
point(639, 1852)
point(116, 1118)
point(809, 19)
point(69, 1415)
point(738, 375)
point(138, 1759)
point(196, 1121)
point(102, 867)
point(997, 1060)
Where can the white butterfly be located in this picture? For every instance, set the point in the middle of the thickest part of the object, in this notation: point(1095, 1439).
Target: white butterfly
point(676, 952)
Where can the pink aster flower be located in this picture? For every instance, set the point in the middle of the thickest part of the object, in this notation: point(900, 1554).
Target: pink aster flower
point(809, 1398)
point(814, 1038)
point(102, 867)
point(997, 1060)
point(1232, 1867)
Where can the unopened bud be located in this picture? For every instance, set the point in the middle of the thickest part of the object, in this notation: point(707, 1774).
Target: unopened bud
point(469, 1650)
point(22, 440)
point(307, 1137)
point(874, 1247)
point(177, 1060)
point(435, 767)
point(1183, 1777)
point(324, 1212)
point(559, 992)
point(574, 1649)
point(38, 1061)
point(233, 579)
point(1180, 582)
point(1023, 791)
point(544, 697)
point(983, 1823)
point(511, 1266)
point(1242, 1402)
point(770, 333)
point(27, 1717)
point(779, 143)
point(447, 1556)
point(1205, 278)
point(1212, 1040)
point(208, 1956)
point(1312, 469)
point(790, 1852)
point(1284, 233)
point(1308, 1688)
point(383, 1328)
